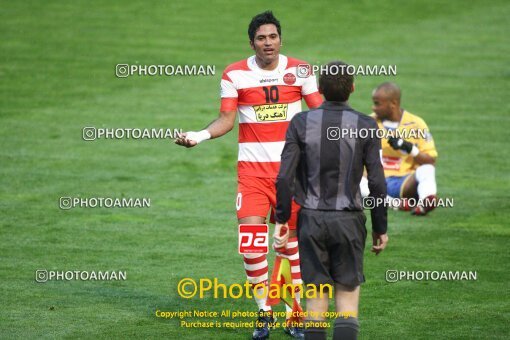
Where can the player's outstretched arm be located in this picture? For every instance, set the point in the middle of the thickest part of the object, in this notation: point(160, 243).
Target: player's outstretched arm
point(217, 128)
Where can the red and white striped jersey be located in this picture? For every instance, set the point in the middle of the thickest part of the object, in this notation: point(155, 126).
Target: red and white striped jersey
point(265, 101)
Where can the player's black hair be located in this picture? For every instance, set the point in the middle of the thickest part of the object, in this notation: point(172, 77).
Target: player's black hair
point(264, 18)
point(334, 81)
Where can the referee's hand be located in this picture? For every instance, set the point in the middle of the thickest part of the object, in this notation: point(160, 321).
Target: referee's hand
point(281, 237)
point(379, 242)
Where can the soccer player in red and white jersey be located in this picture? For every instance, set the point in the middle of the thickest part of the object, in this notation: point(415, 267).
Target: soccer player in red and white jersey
point(266, 91)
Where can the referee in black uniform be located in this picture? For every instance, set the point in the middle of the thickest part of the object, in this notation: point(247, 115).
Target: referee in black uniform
point(321, 167)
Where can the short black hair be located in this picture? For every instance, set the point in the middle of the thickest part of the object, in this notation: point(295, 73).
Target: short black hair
point(264, 18)
point(335, 83)
point(391, 90)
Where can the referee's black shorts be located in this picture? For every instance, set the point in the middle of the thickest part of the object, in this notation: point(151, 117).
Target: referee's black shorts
point(331, 245)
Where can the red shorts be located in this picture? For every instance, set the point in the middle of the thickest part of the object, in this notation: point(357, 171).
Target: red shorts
point(256, 196)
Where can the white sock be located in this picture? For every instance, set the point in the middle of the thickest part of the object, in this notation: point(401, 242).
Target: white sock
point(363, 187)
point(426, 178)
point(257, 273)
point(288, 309)
point(298, 296)
point(261, 302)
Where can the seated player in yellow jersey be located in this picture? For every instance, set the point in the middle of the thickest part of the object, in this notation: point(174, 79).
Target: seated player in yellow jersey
point(408, 153)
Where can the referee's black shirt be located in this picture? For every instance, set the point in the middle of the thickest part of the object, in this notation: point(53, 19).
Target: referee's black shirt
point(324, 172)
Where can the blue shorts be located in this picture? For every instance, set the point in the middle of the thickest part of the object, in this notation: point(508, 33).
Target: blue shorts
point(395, 184)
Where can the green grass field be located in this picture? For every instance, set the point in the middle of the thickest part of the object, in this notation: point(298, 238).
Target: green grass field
point(57, 76)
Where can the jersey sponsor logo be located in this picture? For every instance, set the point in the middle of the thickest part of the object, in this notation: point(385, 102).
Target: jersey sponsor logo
point(253, 239)
point(268, 80)
point(270, 112)
point(289, 79)
point(391, 163)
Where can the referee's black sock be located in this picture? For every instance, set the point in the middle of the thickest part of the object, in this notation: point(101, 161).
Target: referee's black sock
point(313, 331)
point(346, 328)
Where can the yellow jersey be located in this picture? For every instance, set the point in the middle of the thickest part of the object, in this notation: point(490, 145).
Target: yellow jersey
point(411, 128)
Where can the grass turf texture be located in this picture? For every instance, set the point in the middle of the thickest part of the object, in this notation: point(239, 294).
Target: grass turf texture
point(57, 76)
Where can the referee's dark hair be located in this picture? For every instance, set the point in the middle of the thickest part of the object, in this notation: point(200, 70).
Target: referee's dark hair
point(334, 81)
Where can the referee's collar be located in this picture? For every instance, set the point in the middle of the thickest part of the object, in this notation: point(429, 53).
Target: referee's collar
point(337, 106)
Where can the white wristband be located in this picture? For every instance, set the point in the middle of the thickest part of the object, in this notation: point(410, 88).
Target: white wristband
point(199, 136)
point(415, 151)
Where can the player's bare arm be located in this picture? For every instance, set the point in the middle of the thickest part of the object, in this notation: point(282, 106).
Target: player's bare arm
point(217, 128)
